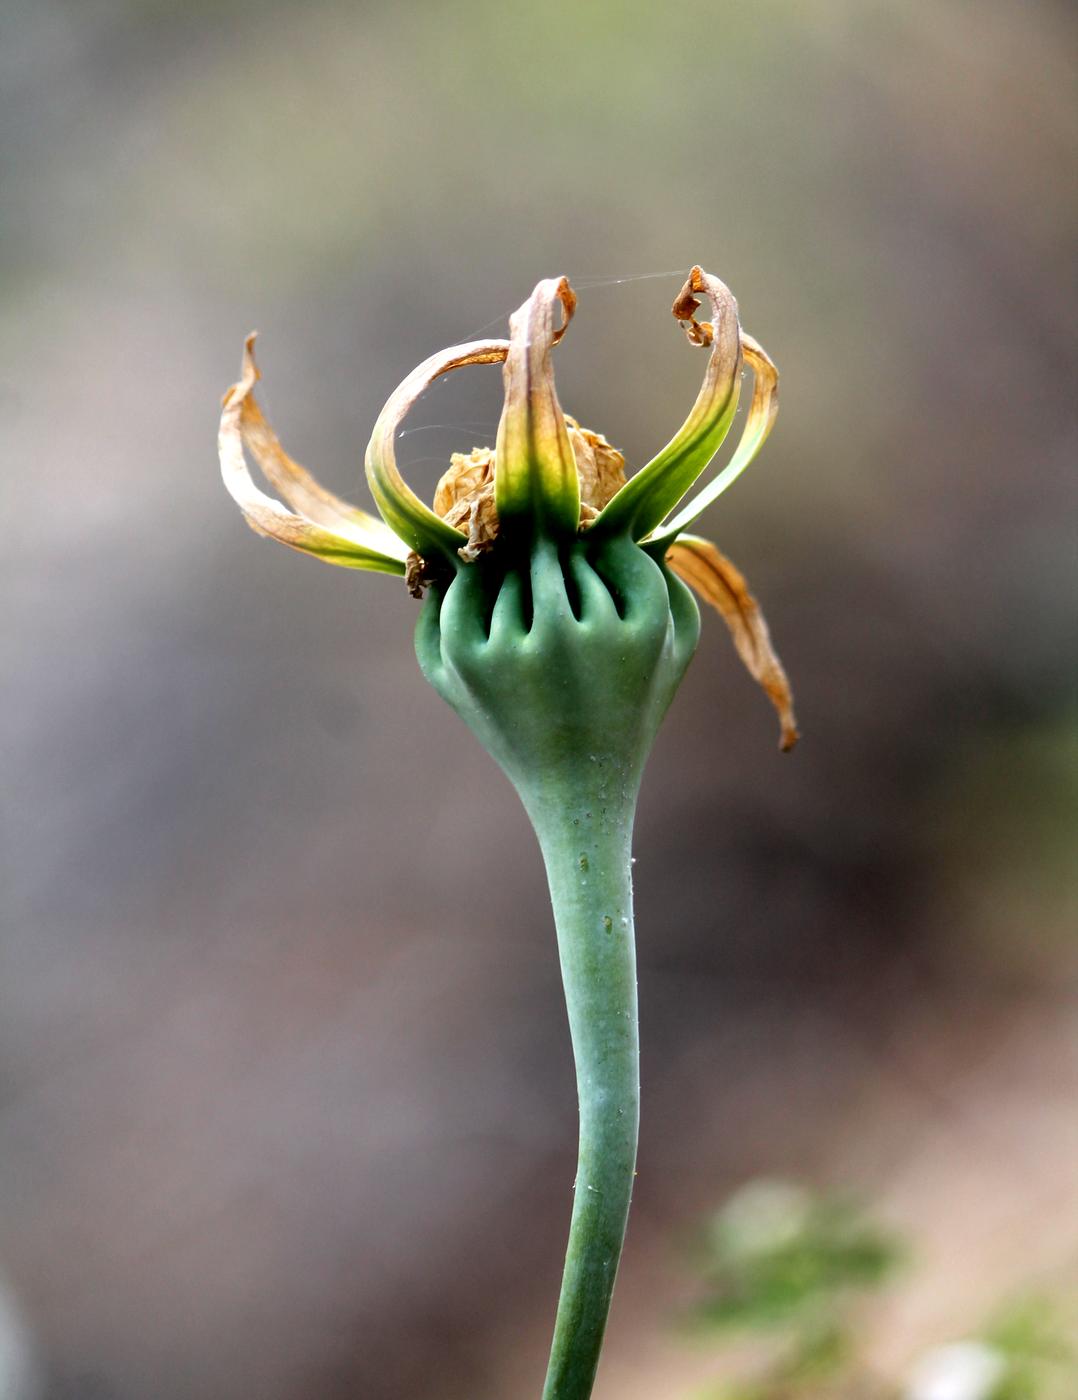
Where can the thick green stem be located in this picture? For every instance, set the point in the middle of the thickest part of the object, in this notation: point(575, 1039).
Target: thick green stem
point(563, 663)
point(586, 846)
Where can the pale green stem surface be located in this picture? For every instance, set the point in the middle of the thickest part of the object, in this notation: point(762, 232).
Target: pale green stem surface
point(586, 846)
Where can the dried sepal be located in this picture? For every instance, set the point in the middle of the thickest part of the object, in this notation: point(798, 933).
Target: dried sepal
point(424, 531)
point(356, 541)
point(758, 424)
point(722, 585)
point(536, 482)
point(417, 577)
point(653, 492)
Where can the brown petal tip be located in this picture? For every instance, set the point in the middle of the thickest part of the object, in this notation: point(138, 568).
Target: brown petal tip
point(687, 304)
point(720, 583)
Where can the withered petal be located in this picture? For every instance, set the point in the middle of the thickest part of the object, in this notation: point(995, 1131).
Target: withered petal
point(352, 549)
point(307, 496)
point(722, 585)
point(465, 499)
point(600, 466)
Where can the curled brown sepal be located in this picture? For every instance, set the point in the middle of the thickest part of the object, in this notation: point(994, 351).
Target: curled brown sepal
point(722, 585)
point(687, 304)
point(321, 524)
point(653, 492)
point(535, 476)
point(409, 517)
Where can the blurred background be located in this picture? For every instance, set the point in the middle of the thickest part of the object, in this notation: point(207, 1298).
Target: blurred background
point(286, 1095)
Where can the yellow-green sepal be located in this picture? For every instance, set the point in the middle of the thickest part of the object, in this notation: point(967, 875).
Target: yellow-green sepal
point(761, 417)
point(653, 492)
point(536, 484)
point(403, 511)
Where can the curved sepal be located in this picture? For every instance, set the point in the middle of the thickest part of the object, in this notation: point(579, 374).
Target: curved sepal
point(401, 508)
point(653, 492)
point(722, 585)
point(535, 475)
point(761, 417)
point(341, 534)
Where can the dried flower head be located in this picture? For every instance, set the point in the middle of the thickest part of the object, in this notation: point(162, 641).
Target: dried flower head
point(545, 477)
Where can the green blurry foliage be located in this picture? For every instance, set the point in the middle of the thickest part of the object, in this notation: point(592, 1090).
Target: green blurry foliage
point(777, 1254)
point(1037, 1337)
point(788, 1271)
point(781, 1261)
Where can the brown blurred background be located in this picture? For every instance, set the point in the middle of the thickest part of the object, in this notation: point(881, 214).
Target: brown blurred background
point(286, 1098)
